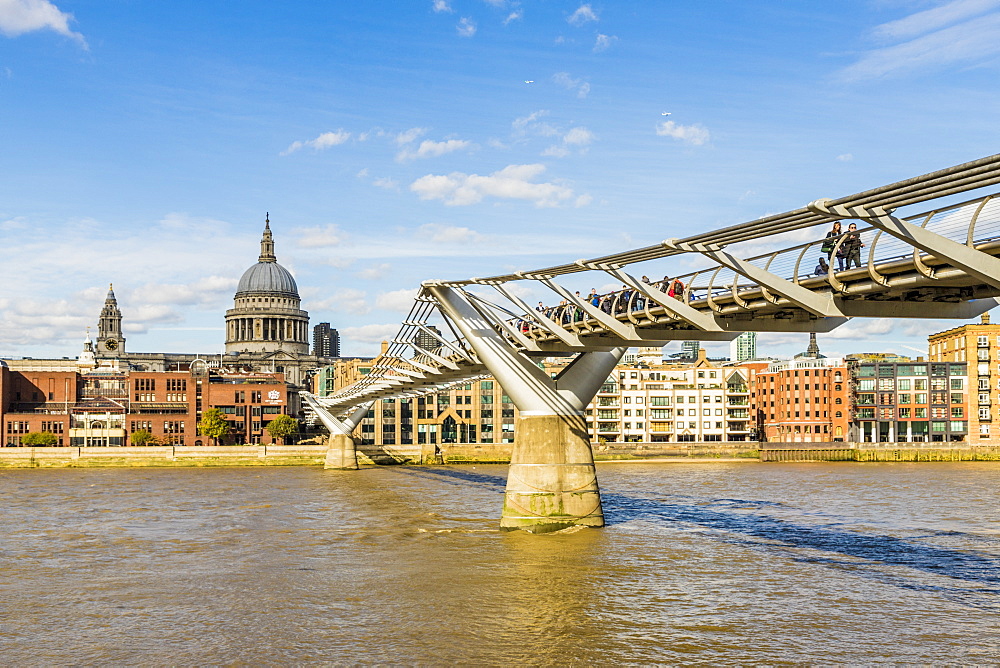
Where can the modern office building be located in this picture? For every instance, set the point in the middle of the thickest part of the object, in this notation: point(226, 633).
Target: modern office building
point(743, 347)
point(326, 341)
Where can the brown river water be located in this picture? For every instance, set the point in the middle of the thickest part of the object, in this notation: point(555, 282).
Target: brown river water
point(701, 563)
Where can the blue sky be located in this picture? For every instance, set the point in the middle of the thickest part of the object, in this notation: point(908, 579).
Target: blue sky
point(144, 141)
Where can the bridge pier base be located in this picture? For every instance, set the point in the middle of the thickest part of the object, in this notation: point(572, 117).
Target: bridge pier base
point(341, 453)
point(552, 483)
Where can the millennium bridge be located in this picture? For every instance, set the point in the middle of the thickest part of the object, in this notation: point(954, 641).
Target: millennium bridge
point(932, 263)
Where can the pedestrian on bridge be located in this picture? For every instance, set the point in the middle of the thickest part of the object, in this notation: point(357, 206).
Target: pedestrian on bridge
point(830, 242)
point(850, 250)
point(822, 268)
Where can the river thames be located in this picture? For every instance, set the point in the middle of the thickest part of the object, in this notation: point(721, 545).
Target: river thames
point(701, 563)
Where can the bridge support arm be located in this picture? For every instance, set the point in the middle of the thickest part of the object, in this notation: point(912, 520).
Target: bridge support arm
point(817, 304)
point(976, 263)
point(552, 483)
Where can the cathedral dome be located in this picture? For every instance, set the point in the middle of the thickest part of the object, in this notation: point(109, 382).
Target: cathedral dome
point(267, 277)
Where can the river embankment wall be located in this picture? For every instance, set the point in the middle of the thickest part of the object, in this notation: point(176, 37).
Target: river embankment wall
point(164, 456)
point(481, 453)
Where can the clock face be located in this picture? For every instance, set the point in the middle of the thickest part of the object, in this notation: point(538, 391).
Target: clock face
point(111, 344)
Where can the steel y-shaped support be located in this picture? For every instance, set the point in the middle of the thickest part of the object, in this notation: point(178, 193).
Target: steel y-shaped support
point(341, 453)
point(552, 483)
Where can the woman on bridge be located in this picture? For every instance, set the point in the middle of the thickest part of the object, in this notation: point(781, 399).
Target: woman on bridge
point(830, 242)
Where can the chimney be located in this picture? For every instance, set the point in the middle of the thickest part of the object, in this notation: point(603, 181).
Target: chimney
point(986, 318)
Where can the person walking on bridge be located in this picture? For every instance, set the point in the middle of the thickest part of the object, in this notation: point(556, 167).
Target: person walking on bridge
point(830, 242)
point(850, 250)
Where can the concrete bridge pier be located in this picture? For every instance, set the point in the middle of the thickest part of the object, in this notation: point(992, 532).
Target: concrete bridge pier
point(552, 482)
point(341, 453)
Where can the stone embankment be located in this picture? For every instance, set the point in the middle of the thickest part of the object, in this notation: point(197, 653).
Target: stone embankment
point(487, 453)
point(878, 452)
point(254, 455)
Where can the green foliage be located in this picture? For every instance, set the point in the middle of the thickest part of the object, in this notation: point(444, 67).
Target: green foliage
point(143, 437)
point(42, 438)
point(213, 424)
point(282, 426)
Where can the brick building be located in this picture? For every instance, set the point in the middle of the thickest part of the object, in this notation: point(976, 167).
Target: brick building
point(910, 401)
point(103, 404)
point(802, 400)
point(978, 346)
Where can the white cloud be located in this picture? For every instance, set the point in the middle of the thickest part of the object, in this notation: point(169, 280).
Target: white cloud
point(523, 122)
point(515, 15)
point(556, 151)
point(433, 149)
point(448, 233)
point(375, 272)
point(845, 157)
point(933, 19)
point(563, 79)
point(441, 6)
point(863, 329)
point(347, 300)
point(466, 27)
point(397, 300)
point(972, 41)
point(692, 134)
point(412, 134)
point(324, 141)
point(18, 17)
point(386, 183)
point(583, 14)
point(511, 182)
point(370, 333)
point(604, 42)
point(208, 290)
point(362, 174)
point(320, 237)
point(578, 136)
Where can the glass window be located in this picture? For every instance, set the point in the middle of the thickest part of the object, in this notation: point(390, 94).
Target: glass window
point(903, 384)
point(904, 398)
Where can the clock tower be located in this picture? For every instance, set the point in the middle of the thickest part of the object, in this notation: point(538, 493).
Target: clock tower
point(110, 342)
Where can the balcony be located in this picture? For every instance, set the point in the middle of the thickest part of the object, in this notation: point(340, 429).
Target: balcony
point(608, 428)
point(739, 402)
point(737, 389)
point(739, 414)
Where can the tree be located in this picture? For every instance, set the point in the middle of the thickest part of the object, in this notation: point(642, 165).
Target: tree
point(43, 438)
point(214, 425)
point(143, 437)
point(282, 426)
